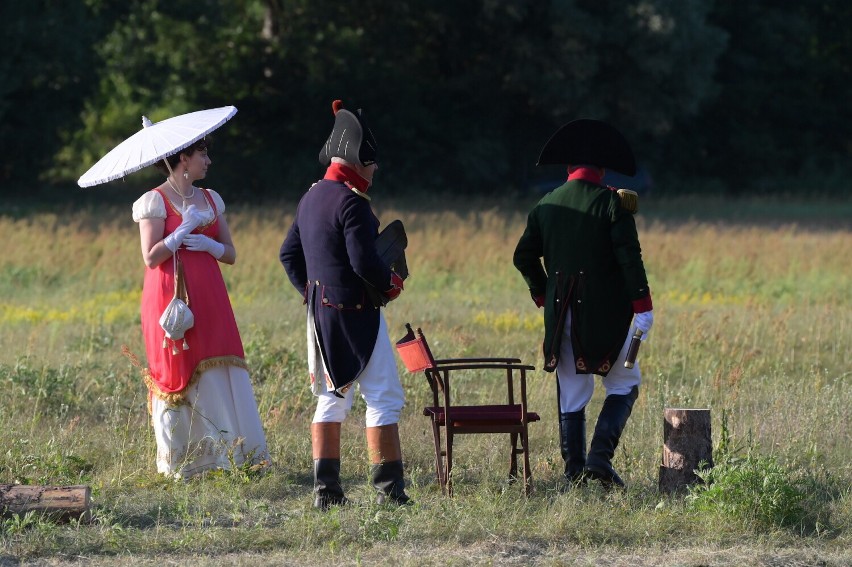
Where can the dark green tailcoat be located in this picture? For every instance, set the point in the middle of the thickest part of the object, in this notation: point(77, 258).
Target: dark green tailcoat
point(592, 265)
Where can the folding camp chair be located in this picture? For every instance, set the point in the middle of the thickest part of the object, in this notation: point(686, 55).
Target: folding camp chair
point(511, 417)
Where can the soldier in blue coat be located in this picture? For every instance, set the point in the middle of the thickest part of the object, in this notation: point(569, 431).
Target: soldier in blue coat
point(330, 257)
point(593, 289)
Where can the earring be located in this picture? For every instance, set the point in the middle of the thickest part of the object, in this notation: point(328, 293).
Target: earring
point(186, 174)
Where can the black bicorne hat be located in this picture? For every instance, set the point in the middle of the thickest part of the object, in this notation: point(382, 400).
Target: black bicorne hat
point(592, 142)
point(351, 138)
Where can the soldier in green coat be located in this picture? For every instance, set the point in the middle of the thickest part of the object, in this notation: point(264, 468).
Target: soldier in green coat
point(592, 286)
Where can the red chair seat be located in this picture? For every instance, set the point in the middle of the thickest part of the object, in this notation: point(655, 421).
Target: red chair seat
point(480, 415)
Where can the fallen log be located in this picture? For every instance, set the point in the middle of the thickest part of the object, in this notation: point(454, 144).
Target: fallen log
point(57, 502)
point(687, 447)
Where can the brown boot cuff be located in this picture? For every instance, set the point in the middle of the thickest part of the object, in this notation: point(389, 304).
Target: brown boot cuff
point(325, 440)
point(383, 444)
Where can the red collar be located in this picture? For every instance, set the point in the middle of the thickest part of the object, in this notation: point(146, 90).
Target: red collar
point(590, 174)
point(340, 172)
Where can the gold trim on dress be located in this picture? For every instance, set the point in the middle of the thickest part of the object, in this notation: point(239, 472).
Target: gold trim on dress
point(179, 397)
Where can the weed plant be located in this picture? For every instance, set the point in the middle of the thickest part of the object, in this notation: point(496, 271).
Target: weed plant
point(753, 320)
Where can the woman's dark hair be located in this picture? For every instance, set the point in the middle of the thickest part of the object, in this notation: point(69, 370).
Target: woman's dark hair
point(199, 146)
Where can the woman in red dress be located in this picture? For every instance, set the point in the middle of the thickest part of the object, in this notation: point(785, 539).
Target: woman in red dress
point(202, 404)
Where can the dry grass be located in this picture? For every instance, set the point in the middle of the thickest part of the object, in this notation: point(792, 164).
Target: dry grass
point(753, 318)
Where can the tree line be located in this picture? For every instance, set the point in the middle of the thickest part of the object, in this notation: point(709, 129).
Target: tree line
point(715, 96)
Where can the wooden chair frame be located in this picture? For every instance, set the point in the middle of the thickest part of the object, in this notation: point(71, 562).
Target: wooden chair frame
point(511, 417)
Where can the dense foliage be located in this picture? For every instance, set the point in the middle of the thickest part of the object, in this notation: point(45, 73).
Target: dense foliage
point(715, 96)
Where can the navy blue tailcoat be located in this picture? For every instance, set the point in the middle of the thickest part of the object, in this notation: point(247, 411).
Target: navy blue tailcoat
point(329, 253)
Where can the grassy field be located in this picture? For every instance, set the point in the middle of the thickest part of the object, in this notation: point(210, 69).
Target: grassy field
point(753, 320)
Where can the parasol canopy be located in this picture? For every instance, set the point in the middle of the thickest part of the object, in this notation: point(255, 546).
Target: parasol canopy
point(154, 142)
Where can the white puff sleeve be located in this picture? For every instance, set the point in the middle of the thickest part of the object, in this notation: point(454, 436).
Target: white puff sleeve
point(149, 206)
point(217, 199)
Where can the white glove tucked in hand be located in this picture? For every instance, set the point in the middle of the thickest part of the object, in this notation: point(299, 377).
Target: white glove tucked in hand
point(644, 321)
point(201, 243)
point(191, 219)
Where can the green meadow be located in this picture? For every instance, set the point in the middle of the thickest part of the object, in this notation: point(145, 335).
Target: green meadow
point(753, 319)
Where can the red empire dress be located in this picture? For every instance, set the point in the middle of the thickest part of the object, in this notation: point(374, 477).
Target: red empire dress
point(202, 404)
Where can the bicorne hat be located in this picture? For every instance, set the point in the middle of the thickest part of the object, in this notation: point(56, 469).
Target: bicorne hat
point(351, 138)
point(591, 142)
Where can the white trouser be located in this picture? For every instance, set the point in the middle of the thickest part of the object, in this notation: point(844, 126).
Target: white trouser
point(575, 390)
point(378, 384)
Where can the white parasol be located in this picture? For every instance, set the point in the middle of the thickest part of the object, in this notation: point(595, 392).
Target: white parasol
point(155, 142)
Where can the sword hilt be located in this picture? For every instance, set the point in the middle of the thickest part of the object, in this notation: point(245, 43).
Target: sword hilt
point(633, 349)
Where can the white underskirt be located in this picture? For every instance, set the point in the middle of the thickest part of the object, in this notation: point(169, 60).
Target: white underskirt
point(218, 427)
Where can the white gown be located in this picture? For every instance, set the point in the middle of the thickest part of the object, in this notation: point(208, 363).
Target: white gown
point(217, 428)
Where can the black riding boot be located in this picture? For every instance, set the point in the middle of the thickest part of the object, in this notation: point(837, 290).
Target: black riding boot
point(572, 431)
point(386, 471)
point(611, 421)
point(325, 442)
point(327, 489)
point(388, 481)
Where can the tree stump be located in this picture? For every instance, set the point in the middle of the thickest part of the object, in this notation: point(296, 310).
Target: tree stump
point(687, 446)
point(58, 502)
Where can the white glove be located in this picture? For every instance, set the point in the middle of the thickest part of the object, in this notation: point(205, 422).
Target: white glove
point(643, 321)
point(191, 219)
point(201, 243)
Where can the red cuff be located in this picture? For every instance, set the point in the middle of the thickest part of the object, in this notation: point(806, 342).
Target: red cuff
point(395, 288)
point(642, 305)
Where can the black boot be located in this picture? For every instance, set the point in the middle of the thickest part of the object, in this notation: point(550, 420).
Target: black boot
point(325, 441)
point(386, 456)
point(611, 421)
point(572, 431)
point(388, 481)
point(327, 489)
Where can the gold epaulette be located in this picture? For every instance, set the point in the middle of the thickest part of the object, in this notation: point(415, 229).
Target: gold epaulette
point(360, 193)
point(629, 200)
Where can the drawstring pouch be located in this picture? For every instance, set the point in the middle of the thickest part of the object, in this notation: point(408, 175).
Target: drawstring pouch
point(177, 318)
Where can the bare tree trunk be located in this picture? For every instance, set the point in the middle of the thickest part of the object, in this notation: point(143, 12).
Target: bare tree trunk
point(61, 502)
point(687, 446)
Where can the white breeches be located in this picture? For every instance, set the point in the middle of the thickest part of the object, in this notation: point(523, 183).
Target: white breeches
point(575, 390)
point(378, 384)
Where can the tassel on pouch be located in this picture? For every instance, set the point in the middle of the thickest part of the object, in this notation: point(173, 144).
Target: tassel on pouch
point(176, 349)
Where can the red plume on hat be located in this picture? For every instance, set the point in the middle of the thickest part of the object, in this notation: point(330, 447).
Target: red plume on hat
point(336, 105)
